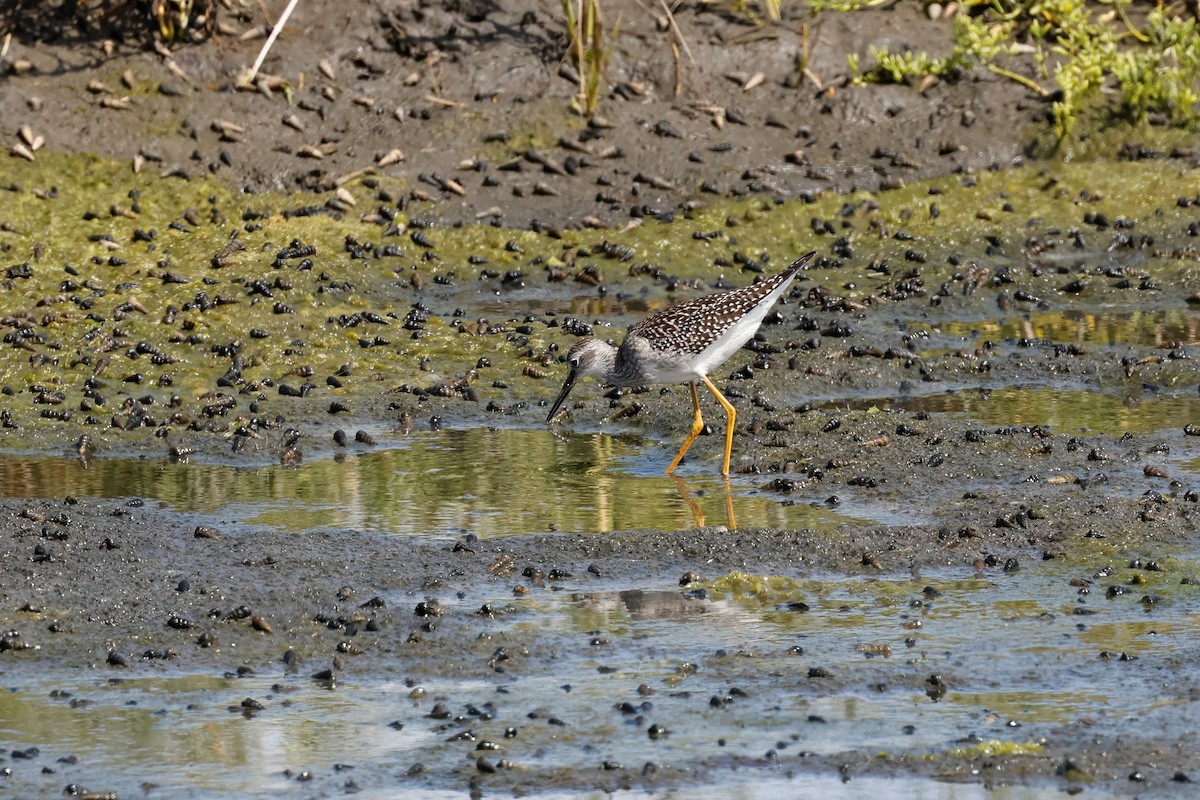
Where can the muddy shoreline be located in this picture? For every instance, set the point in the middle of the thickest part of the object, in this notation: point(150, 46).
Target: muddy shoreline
point(994, 353)
point(116, 591)
point(483, 103)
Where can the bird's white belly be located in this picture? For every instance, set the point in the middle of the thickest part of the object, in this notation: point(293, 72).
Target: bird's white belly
point(669, 368)
point(667, 371)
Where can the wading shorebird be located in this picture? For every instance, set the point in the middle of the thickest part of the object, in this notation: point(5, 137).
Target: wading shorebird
point(681, 344)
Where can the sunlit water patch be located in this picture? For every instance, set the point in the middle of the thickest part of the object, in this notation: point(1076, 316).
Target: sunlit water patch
point(1153, 327)
point(1065, 410)
point(479, 481)
point(755, 678)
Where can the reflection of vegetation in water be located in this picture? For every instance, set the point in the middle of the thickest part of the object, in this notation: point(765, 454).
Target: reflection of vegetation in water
point(1147, 327)
point(1065, 411)
point(199, 752)
point(487, 482)
point(1134, 636)
point(1048, 704)
point(139, 728)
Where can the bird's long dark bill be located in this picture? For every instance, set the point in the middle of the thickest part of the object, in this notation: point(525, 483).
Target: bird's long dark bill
point(562, 395)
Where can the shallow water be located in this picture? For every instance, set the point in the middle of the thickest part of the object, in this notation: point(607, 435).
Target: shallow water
point(485, 482)
point(1014, 659)
point(1131, 325)
point(1066, 410)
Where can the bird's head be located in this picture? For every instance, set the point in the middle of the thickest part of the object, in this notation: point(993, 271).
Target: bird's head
point(589, 356)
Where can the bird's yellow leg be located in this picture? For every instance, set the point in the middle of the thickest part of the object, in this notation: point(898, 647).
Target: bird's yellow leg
point(697, 426)
point(730, 416)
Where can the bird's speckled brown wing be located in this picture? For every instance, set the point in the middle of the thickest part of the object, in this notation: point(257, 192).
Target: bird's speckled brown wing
point(691, 326)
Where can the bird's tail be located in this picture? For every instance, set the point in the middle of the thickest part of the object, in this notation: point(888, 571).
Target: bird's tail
point(800, 263)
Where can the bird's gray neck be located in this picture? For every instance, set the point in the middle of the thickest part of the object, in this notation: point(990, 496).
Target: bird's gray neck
point(603, 360)
point(623, 369)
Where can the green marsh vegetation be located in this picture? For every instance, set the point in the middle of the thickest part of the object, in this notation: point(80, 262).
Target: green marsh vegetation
point(1128, 60)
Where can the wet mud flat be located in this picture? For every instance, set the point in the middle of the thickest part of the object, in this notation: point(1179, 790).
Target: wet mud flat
point(1033, 635)
point(959, 544)
point(958, 547)
point(281, 512)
